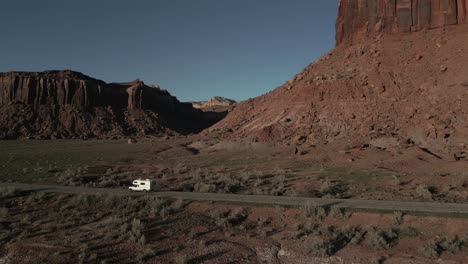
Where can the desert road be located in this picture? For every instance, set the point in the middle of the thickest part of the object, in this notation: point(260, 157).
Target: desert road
point(420, 207)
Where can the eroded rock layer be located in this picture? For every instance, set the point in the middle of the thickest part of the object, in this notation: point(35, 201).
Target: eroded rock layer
point(360, 18)
point(64, 104)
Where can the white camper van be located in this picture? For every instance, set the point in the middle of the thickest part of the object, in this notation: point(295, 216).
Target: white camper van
point(143, 185)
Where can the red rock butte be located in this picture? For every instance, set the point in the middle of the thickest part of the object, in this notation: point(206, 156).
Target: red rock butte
point(397, 75)
point(358, 19)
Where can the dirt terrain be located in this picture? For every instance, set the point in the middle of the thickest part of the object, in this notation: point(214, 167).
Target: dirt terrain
point(105, 228)
point(263, 200)
point(197, 164)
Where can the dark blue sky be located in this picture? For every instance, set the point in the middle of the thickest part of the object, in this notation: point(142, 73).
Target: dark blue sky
point(194, 48)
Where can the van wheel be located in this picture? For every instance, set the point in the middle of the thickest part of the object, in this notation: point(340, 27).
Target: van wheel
point(145, 191)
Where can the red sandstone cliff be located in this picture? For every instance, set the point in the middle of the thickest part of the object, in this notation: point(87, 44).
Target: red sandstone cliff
point(360, 18)
point(64, 104)
point(402, 88)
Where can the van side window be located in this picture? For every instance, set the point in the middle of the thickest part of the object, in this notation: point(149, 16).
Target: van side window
point(142, 183)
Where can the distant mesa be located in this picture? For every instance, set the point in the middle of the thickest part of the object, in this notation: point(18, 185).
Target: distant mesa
point(69, 104)
point(214, 102)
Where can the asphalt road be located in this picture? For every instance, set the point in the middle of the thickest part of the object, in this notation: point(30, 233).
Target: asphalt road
point(422, 207)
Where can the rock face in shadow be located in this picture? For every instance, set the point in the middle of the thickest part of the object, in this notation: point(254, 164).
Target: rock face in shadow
point(67, 104)
point(360, 18)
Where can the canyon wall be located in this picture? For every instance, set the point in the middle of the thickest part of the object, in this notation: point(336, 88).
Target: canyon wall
point(73, 88)
point(358, 19)
point(68, 104)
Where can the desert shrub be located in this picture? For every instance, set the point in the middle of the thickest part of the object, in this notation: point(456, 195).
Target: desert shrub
point(424, 192)
point(262, 222)
point(454, 245)
point(82, 201)
point(186, 187)
point(431, 250)
point(396, 178)
point(264, 232)
point(155, 206)
point(36, 197)
point(335, 189)
point(180, 168)
point(3, 212)
point(435, 248)
point(397, 218)
point(259, 182)
point(196, 173)
point(48, 227)
point(334, 238)
point(339, 213)
point(84, 253)
point(107, 181)
point(133, 231)
point(71, 176)
point(165, 211)
point(305, 230)
point(4, 236)
point(408, 232)
point(25, 220)
point(279, 189)
point(146, 254)
point(178, 204)
point(232, 186)
point(380, 240)
point(356, 235)
point(193, 234)
point(318, 247)
point(279, 171)
point(8, 192)
point(203, 243)
point(230, 218)
point(180, 259)
point(204, 188)
point(312, 210)
point(111, 201)
point(379, 260)
point(109, 171)
point(81, 176)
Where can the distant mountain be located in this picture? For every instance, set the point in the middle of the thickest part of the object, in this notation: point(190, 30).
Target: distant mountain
point(214, 102)
point(68, 104)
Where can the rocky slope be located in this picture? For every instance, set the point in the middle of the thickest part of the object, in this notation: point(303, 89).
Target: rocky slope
point(377, 87)
point(67, 104)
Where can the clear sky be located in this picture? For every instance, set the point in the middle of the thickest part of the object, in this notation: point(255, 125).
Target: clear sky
point(196, 49)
